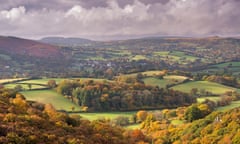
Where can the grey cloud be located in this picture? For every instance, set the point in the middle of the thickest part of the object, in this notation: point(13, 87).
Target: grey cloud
point(115, 18)
point(65, 4)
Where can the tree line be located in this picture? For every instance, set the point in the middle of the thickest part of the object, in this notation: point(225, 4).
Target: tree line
point(115, 96)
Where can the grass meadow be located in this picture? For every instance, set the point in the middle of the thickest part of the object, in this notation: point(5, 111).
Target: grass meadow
point(2, 81)
point(52, 97)
point(167, 80)
point(25, 86)
point(106, 115)
point(212, 87)
point(212, 98)
point(234, 104)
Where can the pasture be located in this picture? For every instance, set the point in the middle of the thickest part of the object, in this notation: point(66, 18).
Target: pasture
point(211, 87)
point(25, 86)
point(231, 67)
point(212, 98)
point(2, 81)
point(167, 80)
point(234, 104)
point(52, 97)
point(146, 73)
point(106, 115)
point(138, 57)
point(43, 81)
point(175, 56)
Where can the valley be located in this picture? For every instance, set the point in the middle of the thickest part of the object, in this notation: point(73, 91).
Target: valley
point(120, 72)
point(129, 83)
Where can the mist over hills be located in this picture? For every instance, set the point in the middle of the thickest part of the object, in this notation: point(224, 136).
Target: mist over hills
point(62, 41)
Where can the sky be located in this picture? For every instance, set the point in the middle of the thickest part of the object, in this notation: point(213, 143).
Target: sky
point(119, 19)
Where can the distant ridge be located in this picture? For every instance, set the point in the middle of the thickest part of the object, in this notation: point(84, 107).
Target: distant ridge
point(25, 47)
point(71, 41)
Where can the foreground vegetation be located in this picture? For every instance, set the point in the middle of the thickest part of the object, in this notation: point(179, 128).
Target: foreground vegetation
point(24, 122)
point(217, 127)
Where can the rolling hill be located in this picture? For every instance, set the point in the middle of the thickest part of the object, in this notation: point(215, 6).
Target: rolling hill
point(25, 57)
point(24, 47)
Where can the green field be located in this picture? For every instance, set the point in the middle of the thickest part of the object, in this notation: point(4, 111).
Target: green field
point(169, 79)
point(212, 98)
point(139, 57)
point(25, 86)
point(106, 115)
point(52, 97)
point(42, 81)
point(212, 87)
point(10, 80)
point(146, 73)
point(110, 116)
point(228, 64)
point(234, 104)
point(175, 56)
point(156, 82)
point(58, 80)
point(232, 67)
point(161, 53)
point(175, 78)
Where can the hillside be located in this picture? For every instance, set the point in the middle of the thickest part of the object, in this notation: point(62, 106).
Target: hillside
point(24, 47)
point(34, 123)
point(217, 128)
point(22, 57)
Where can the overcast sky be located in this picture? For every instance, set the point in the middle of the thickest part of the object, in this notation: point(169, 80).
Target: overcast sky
point(113, 19)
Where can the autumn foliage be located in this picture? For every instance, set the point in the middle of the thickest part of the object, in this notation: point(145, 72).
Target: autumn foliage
point(25, 122)
point(115, 96)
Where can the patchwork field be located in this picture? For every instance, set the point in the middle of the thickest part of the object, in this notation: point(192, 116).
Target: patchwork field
point(175, 56)
point(62, 103)
point(230, 67)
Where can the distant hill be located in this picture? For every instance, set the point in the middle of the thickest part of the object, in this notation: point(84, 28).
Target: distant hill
point(28, 57)
point(61, 41)
point(19, 46)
